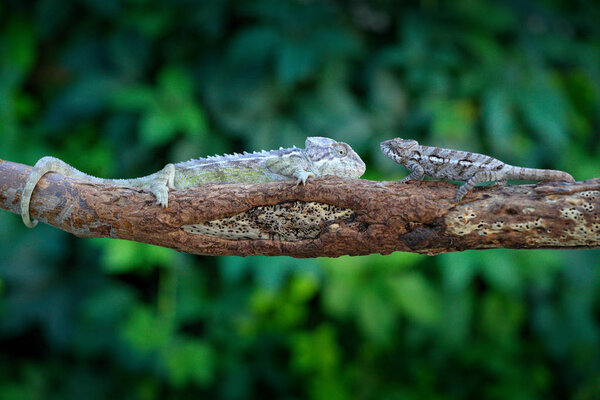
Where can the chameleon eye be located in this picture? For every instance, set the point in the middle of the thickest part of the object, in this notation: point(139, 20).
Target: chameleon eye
point(340, 151)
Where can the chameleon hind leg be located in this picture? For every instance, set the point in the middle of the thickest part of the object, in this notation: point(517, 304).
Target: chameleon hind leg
point(160, 184)
point(479, 177)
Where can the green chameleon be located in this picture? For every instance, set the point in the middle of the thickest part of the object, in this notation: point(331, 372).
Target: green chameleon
point(321, 156)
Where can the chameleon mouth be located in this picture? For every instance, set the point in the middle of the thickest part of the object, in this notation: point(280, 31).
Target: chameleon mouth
point(386, 147)
point(361, 169)
point(356, 174)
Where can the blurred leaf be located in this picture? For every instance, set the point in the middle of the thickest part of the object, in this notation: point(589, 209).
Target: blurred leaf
point(269, 272)
point(122, 256)
point(149, 20)
point(108, 305)
point(84, 98)
point(253, 45)
point(315, 351)
point(501, 318)
point(499, 17)
point(498, 119)
point(158, 128)
point(189, 361)
point(485, 49)
point(416, 298)
point(302, 288)
point(263, 301)
point(175, 83)
point(167, 110)
point(18, 45)
point(453, 120)
point(500, 271)
point(376, 315)
point(145, 331)
point(583, 92)
point(134, 98)
point(456, 317)
point(458, 269)
point(336, 42)
point(387, 96)
point(192, 121)
point(294, 63)
point(328, 388)
point(544, 108)
point(340, 292)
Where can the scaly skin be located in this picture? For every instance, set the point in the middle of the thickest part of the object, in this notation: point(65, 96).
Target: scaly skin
point(321, 156)
point(459, 165)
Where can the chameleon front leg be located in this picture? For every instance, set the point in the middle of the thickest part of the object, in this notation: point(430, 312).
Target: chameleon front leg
point(302, 176)
point(416, 172)
point(291, 166)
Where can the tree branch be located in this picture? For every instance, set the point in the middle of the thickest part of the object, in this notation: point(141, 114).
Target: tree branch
point(371, 217)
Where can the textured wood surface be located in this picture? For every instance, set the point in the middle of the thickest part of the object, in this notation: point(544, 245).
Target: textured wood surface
point(417, 217)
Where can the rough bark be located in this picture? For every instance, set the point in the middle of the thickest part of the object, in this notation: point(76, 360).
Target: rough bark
point(386, 216)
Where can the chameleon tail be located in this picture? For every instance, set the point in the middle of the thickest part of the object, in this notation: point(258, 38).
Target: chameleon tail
point(52, 164)
point(158, 183)
point(534, 174)
point(43, 166)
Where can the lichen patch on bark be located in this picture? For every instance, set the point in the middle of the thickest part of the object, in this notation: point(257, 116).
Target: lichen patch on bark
point(289, 221)
point(568, 220)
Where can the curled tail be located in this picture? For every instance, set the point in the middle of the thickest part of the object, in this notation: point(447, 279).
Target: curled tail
point(159, 183)
point(43, 166)
point(533, 174)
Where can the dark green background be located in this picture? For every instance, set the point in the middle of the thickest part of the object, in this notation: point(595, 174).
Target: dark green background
point(120, 88)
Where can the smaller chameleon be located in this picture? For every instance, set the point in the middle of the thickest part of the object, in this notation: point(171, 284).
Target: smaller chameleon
point(459, 165)
point(322, 156)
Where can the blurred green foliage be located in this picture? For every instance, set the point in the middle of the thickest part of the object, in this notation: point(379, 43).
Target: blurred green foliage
point(121, 87)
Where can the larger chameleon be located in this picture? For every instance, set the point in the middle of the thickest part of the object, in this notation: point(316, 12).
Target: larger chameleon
point(457, 165)
point(321, 156)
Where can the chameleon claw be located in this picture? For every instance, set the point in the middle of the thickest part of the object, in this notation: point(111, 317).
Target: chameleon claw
point(164, 203)
point(162, 196)
point(304, 177)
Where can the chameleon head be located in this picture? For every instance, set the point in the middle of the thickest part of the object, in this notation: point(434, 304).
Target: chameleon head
point(398, 149)
point(329, 157)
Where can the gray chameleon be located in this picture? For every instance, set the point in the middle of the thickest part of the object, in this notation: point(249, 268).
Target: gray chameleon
point(459, 165)
point(321, 156)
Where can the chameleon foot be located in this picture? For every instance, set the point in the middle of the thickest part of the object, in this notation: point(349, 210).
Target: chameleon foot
point(303, 177)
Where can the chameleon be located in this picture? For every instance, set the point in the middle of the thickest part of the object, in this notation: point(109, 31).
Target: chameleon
point(460, 165)
point(321, 156)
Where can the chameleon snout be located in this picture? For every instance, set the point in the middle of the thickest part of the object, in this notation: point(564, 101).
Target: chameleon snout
point(387, 146)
